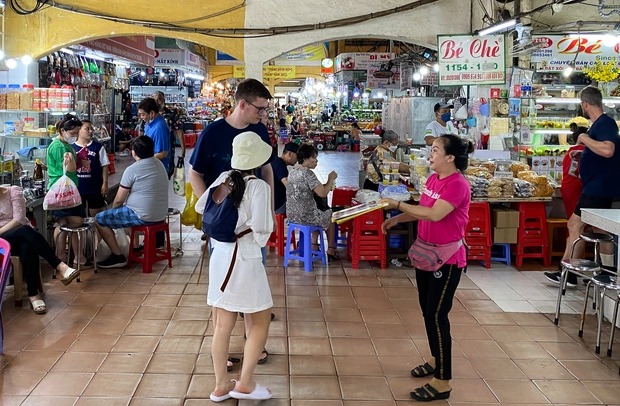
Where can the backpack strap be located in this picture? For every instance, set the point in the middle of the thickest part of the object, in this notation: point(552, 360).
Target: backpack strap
point(233, 259)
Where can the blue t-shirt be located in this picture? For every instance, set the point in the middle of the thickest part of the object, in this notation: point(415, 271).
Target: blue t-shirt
point(599, 175)
point(280, 171)
point(160, 133)
point(213, 150)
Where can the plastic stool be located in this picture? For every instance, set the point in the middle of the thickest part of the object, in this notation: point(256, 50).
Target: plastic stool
point(151, 254)
point(554, 224)
point(340, 235)
point(81, 232)
point(18, 280)
point(176, 212)
point(601, 284)
point(277, 239)
point(505, 256)
point(304, 252)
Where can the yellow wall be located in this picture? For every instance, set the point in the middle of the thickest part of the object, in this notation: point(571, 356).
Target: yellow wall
point(48, 30)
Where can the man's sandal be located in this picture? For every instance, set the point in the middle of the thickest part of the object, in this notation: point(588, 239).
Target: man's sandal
point(38, 305)
point(422, 370)
point(427, 393)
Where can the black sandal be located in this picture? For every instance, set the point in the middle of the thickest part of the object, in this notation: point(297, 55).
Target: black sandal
point(263, 359)
point(422, 370)
point(230, 363)
point(427, 393)
point(334, 256)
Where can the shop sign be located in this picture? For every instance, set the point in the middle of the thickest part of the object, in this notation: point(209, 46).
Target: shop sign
point(138, 49)
point(360, 60)
point(383, 75)
point(269, 72)
point(471, 60)
point(170, 56)
point(406, 75)
point(327, 66)
point(557, 51)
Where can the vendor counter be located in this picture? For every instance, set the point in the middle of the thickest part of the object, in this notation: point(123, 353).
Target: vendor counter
point(40, 215)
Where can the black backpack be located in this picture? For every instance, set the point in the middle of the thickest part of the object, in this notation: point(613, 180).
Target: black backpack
point(219, 221)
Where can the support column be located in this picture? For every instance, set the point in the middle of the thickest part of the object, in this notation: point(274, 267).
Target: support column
point(523, 6)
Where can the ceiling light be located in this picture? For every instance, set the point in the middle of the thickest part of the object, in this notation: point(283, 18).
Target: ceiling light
point(436, 67)
point(26, 59)
point(423, 71)
point(194, 76)
point(11, 63)
point(142, 73)
point(94, 56)
point(503, 26)
point(356, 94)
point(417, 77)
point(162, 74)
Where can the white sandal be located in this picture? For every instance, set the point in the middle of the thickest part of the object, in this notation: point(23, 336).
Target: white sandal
point(38, 306)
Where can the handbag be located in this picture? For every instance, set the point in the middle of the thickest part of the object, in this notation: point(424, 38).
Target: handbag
point(321, 202)
point(426, 256)
point(178, 182)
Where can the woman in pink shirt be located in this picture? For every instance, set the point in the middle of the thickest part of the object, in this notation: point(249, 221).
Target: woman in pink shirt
point(28, 245)
point(442, 217)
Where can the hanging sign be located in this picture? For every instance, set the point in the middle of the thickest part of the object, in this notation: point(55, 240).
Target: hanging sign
point(360, 60)
point(471, 60)
point(269, 72)
point(555, 52)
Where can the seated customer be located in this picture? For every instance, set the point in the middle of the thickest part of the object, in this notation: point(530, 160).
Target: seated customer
point(142, 198)
point(280, 175)
point(29, 245)
point(301, 207)
point(383, 153)
point(123, 138)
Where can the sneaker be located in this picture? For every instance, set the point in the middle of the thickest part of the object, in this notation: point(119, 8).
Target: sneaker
point(113, 261)
point(555, 278)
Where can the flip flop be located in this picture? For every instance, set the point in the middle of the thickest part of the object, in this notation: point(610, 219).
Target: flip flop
point(259, 393)
point(38, 306)
point(427, 393)
point(264, 359)
point(217, 399)
point(73, 273)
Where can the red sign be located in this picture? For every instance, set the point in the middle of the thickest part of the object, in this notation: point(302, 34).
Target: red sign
point(136, 49)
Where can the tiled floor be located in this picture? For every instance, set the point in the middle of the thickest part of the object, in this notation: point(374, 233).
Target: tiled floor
point(342, 336)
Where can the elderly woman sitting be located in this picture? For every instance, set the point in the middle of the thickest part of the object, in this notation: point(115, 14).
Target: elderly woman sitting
point(384, 153)
point(301, 206)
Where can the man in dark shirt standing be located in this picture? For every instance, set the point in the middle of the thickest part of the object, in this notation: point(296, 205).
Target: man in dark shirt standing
point(175, 120)
point(280, 174)
point(599, 172)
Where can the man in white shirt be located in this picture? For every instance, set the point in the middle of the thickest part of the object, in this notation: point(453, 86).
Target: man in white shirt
point(441, 124)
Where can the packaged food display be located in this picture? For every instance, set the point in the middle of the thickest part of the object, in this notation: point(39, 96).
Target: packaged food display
point(12, 98)
point(501, 187)
point(517, 167)
point(478, 171)
point(479, 186)
point(522, 188)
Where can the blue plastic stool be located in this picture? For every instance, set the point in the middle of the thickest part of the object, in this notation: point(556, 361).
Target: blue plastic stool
point(304, 251)
point(339, 237)
point(505, 256)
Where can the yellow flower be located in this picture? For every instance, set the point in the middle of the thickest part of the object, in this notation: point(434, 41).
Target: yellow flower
point(602, 71)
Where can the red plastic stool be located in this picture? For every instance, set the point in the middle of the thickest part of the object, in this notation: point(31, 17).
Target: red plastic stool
point(189, 139)
point(151, 254)
point(532, 235)
point(478, 233)
point(278, 238)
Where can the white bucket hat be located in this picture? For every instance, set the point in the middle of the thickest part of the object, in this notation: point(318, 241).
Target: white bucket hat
point(249, 151)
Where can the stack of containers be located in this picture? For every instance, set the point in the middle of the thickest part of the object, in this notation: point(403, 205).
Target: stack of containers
point(26, 97)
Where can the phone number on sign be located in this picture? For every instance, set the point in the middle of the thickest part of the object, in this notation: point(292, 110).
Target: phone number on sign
point(473, 76)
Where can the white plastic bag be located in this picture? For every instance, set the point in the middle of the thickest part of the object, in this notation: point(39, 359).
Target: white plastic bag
point(178, 178)
point(103, 251)
point(63, 194)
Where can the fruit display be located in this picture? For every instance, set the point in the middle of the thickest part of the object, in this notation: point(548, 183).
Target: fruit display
point(551, 124)
point(543, 150)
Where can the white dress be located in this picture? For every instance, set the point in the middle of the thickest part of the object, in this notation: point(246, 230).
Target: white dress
point(248, 288)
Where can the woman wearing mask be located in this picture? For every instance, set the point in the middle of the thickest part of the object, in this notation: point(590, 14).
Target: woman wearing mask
point(92, 169)
point(28, 244)
point(302, 185)
point(442, 217)
point(60, 154)
point(383, 153)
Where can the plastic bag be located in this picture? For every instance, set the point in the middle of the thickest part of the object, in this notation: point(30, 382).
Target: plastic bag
point(189, 215)
point(103, 251)
point(178, 179)
point(63, 194)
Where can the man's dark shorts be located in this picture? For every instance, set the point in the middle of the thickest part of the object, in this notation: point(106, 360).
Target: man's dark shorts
point(593, 202)
point(94, 201)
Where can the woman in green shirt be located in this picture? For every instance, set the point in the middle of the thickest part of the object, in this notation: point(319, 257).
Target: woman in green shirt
point(60, 153)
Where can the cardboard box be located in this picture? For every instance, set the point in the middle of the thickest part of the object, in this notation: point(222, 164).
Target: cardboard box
point(503, 217)
point(505, 235)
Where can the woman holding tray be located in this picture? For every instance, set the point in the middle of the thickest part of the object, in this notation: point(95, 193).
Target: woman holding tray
point(442, 218)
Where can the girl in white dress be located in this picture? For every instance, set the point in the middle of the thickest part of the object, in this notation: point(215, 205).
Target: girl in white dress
point(247, 290)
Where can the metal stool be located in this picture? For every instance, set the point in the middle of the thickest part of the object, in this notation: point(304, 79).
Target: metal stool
point(601, 284)
point(82, 231)
point(581, 267)
point(176, 212)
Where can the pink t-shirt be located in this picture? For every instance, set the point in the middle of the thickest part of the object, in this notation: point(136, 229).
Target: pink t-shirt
point(455, 190)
